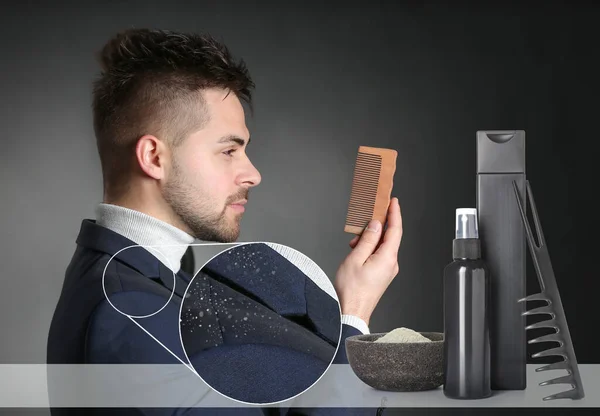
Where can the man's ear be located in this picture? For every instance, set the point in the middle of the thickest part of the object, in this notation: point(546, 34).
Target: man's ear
point(151, 154)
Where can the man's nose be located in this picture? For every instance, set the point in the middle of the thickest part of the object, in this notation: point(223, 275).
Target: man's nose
point(251, 176)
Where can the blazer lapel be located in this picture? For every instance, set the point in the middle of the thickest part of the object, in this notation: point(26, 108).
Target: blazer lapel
point(265, 275)
point(167, 277)
point(260, 272)
point(107, 241)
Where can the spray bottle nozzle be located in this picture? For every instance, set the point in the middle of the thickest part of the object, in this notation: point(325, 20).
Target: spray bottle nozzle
point(466, 223)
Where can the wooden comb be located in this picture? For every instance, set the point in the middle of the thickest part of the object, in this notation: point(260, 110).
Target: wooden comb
point(371, 188)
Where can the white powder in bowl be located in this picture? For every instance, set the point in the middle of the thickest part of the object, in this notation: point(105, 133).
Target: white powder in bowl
point(403, 335)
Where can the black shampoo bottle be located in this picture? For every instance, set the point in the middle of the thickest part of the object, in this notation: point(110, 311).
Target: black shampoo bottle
point(466, 314)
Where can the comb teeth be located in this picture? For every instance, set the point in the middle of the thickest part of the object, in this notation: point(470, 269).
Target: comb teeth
point(364, 189)
point(371, 187)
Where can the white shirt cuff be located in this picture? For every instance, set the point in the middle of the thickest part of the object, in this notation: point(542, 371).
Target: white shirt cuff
point(356, 322)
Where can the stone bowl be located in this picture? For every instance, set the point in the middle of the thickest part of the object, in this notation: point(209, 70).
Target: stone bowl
point(397, 366)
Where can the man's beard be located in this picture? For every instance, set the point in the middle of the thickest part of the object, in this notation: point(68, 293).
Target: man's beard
point(198, 215)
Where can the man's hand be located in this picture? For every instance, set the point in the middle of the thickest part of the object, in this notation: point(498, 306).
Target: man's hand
point(368, 270)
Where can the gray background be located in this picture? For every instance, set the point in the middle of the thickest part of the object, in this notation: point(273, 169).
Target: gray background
point(419, 79)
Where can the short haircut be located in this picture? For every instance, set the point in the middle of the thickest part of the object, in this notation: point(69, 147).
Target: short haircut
point(151, 83)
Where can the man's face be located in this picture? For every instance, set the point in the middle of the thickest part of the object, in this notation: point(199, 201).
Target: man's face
point(211, 174)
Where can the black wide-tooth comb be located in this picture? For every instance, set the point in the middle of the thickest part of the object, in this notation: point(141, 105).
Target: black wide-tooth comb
point(554, 308)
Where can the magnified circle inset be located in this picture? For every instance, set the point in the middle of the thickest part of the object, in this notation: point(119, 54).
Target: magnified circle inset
point(260, 323)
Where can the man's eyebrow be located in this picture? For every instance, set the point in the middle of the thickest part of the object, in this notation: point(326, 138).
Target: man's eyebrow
point(233, 138)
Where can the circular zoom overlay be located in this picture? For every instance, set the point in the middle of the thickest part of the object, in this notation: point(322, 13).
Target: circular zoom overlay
point(124, 304)
point(260, 323)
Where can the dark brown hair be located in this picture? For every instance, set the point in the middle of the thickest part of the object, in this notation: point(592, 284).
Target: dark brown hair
point(151, 83)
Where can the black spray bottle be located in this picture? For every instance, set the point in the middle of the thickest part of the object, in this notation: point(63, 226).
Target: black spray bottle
point(466, 314)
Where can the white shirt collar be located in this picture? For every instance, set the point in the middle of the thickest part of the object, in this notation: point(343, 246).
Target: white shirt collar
point(144, 230)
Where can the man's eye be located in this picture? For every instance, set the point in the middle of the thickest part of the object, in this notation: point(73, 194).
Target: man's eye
point(229, 152)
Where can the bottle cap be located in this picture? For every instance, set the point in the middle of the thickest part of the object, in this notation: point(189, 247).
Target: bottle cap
point(501, 151)
point(466, 223)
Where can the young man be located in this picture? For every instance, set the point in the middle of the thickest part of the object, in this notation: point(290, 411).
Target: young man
point(172, 138)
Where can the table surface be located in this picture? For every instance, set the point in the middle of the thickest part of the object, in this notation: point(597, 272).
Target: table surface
point(26, 385)
point(355, 393)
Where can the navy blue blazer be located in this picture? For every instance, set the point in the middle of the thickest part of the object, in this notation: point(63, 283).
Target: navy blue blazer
point(293, 331)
